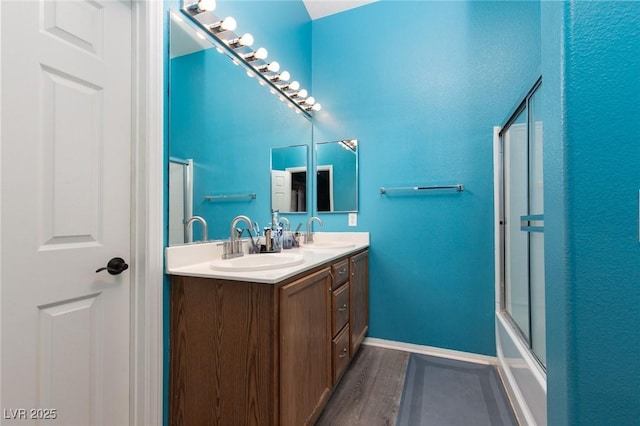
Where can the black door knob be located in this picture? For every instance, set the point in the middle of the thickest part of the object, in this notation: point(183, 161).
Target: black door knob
point(115, 266)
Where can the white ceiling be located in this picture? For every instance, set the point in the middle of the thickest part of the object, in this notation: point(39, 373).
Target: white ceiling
point(321, 8)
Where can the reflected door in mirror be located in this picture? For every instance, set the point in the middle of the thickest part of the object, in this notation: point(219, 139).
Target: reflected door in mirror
point(337, 176)
point(289, 179)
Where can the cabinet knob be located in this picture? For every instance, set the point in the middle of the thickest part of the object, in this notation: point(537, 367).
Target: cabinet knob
point(343, 308)
point(343, 354)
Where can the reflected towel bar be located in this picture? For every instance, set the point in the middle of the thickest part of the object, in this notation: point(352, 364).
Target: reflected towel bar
point(251, 196)
point(458, 187)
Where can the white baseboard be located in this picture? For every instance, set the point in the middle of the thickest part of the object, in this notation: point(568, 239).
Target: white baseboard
point(430, 350)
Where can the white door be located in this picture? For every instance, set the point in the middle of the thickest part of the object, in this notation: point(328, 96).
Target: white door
point(281, 190)
point(66, 179)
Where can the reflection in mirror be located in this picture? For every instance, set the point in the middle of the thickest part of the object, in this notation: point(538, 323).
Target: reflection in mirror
point(226, 123)
point(337, 176)
point(180, 199)
point(289, 179)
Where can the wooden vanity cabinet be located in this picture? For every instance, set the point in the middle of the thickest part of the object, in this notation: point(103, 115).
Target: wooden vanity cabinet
point(223, 361)
point(305, 354)
point(350, 309)
point(245, 353)
point(359, 298)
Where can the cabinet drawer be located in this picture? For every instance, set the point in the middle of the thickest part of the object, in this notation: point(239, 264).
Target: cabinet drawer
point(340, 272)
point(340, 351)
point(340, 308)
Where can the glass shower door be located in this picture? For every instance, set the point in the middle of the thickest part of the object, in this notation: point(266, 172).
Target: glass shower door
point(523, 214)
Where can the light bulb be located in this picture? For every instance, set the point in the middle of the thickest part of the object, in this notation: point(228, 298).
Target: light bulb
point(205, 5)
point(261, 53)
point(284, 76)
point(310, 100)
point(227, 24)
point(250, 74)
point(272, 67)
point(202, 6)
point(316, 107)
point(302, 93)
point(294, 85)
point(245, 40)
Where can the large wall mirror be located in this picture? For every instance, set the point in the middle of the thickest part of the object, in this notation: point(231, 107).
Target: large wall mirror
point(337, 176)
point(289, 179)
point(227, 127)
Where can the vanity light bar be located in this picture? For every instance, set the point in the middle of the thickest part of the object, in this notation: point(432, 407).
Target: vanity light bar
point(238, 48)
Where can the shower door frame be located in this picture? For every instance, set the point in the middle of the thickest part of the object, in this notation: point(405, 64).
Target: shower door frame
point(523, 373)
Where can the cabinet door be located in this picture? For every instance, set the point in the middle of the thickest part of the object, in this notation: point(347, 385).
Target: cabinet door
point(359, 299)
point(305, 348)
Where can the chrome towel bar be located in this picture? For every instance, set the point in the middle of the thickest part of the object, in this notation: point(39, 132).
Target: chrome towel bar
point(251, 196)
point(458, 187)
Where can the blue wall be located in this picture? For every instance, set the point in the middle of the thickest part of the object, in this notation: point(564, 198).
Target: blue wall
point(421, 84)
point(591, 68)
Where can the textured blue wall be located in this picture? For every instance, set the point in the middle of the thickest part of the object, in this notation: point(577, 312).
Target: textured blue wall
point(591, 66)
point(421, 84)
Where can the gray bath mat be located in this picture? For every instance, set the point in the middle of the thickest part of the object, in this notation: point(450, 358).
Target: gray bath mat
point(445, 392)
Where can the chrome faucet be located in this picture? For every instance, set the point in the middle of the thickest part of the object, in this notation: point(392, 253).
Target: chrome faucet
point(204, 227)
point(286, 225)
point(233, 247)
point(308, 236)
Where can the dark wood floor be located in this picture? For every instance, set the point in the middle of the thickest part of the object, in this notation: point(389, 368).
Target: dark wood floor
point(369, 392)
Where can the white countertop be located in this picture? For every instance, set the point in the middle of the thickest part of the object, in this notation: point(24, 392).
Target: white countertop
point(193, 260)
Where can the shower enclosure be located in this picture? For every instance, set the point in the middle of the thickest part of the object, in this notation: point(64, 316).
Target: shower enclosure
point(520, 284)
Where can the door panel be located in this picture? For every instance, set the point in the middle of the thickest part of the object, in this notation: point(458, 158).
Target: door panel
point(71, 328)
point(66, 179)
point(70, 209)
point(523, 204)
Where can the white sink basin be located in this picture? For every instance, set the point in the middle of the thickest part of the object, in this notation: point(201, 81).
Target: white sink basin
point(327, 245)
point(257, 262)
